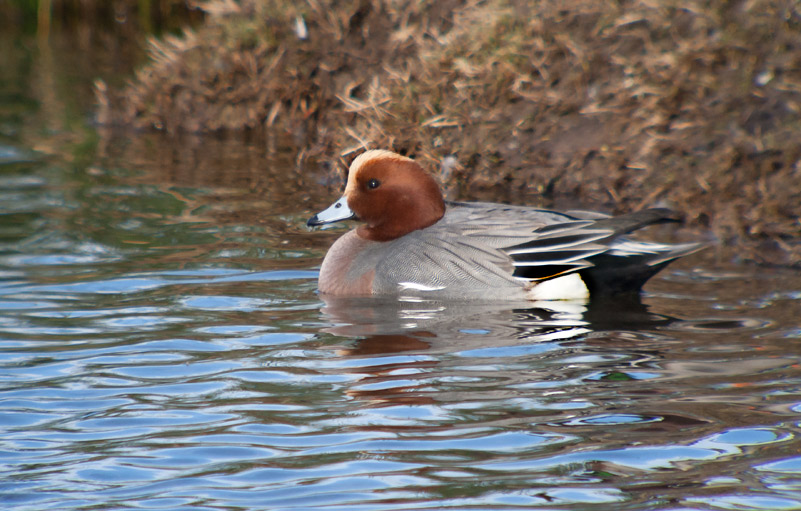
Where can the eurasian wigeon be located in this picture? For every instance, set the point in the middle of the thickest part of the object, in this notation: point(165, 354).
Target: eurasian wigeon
point(414, 243)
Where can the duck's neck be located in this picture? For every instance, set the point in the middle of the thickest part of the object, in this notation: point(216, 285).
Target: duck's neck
point(409, 213)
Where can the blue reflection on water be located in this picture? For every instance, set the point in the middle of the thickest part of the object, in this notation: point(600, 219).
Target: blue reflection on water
point(158, 356)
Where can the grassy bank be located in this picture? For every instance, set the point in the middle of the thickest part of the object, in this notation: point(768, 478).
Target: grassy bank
point(619, 105)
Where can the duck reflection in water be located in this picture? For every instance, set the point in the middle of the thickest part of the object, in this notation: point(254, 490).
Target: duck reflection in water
point(383, 325)
point(397, 346)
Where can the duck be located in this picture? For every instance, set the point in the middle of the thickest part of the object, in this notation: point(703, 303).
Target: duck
point(412, 243)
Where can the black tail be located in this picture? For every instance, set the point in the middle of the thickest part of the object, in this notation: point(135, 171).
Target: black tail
point(629, 264)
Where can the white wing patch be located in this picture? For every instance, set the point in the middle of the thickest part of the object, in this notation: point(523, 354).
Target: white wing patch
point(625, 248)
point(403, 286)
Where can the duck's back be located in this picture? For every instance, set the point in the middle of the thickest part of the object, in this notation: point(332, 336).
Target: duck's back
point(491, 251)
point(485, 250)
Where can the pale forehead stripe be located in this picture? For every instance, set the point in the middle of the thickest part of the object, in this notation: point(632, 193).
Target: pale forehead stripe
point(375, 154)
point(367, 157)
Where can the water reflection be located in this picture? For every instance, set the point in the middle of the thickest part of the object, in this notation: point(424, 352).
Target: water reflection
point(442, 325)
point(163, 343)
point(162, 346)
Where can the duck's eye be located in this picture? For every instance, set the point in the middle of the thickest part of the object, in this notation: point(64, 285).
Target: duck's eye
point(373, 184)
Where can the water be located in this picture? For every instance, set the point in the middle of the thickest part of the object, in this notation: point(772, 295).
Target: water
point(162, 347)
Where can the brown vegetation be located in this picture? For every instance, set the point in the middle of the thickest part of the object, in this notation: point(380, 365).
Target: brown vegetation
point(620, 104)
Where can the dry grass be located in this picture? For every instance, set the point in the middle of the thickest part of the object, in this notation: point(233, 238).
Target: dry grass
point(619, 104)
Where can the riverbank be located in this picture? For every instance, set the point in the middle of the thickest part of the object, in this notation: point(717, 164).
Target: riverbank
point(607, 105)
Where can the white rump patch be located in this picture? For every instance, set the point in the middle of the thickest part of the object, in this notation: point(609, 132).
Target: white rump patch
point(569, 287)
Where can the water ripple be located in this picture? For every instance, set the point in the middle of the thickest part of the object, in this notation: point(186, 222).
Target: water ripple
point(156, 354)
